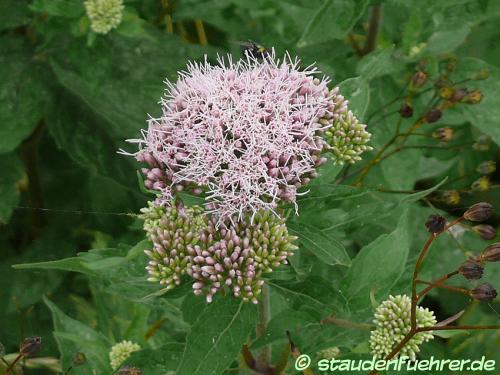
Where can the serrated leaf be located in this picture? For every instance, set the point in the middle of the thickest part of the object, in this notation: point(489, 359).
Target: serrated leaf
point(22, 93)
point(326, 248)
point(357, 91)
point(377, 63)
point(332, 20)
point(217, 336)
point(422, 194)
point(159, 361)
point(73, 336)
point(377, 267)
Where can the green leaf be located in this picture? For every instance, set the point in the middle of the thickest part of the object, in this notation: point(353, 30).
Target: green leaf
point(444, 41)
point(422, 194)
point(10, 178)
point(332, 20)
point(357, 91)
point(326, 248)
point(287, 320)
point(58, 8)
point(132, 25)
point(315, 295)
point(73, 336)
point(377, 63)
point(377, 267)
point(13, 14)
point(447, 334)
point(69, 264)
point(159, 361)
point(217, 336)
point(485, 114)
point(22, 93)
point(125, 65)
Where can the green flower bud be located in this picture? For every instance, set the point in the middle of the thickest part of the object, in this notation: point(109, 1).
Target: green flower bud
point(482, 143)
point(393, 322)
point(121, 351)
point(347, 139)
point(174, 231)
point(329, 353)
point(104, 15)
point(451, 197)
point(486, 167)
point(481, 184)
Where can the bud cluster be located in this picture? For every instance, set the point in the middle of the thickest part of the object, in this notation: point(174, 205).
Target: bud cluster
point(174, 233)
point(104, 15)
point(393, 322)
point(347, 138)
point(235, 255)
point(121, 351)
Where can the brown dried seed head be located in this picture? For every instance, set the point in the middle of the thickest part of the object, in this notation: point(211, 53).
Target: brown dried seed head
point(479, 212)
point(30, 346)
point(484, 292)
point(471, 269)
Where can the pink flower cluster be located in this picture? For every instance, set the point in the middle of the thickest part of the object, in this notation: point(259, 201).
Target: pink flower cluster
point(248, 133)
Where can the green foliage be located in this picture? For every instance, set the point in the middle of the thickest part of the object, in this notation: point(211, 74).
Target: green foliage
point(72, 266)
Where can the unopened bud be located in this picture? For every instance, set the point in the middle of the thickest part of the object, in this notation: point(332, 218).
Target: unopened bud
point(128, 370)
point(484, 292)
point(451, 64)
point(481, 74)
point(406, 110)
point(30, 346)
point(418, 79)
point(446, 92)
point(481, 184)
point(458, 95)
point(451, 197)
point(433, 115)
point(443, 134)
point(79, 358)
point(491, 253)
point(486, 167)
point(442, 82)
point(435, 223)
point(474, 97)
point(479, 212)
point(486, 232)
point(471, 269)
point(482, 143)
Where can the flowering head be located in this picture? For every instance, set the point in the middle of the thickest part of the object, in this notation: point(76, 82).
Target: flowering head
point(104, 15)
point(392, 323)
point(247, 133)
point(121, 351)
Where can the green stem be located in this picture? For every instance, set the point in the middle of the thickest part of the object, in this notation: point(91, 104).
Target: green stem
point(264, 318)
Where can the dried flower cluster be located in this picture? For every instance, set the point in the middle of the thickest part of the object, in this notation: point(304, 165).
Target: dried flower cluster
point(393, 322)
point(185, 241)
point(247, 133)
point(121, 351)
point(104, 15)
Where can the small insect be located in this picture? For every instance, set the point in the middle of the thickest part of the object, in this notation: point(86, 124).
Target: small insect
point(255, 49)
